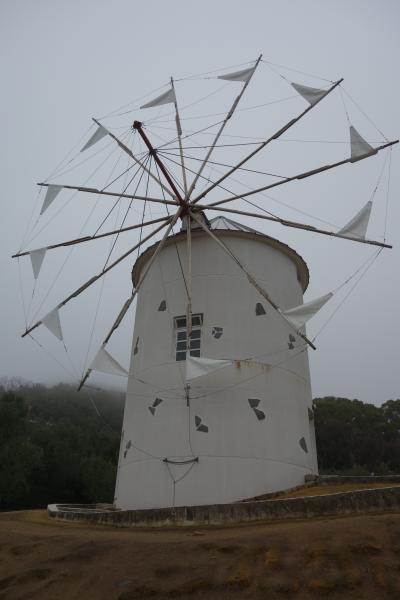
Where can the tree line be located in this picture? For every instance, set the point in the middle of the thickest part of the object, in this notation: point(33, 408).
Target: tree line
point(60, 446)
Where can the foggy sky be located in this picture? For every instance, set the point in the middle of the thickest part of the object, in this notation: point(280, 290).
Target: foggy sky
point(65, 62)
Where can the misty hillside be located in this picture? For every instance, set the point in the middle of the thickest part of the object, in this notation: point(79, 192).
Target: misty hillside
point(57, 445)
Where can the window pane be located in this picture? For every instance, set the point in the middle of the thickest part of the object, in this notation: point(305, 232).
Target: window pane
point(196, 320)
point(194, 344)
point(180, 322)
point(181, 346)
point(181, 335)
point(196, 333)
point(195, 353)
point(181, 356)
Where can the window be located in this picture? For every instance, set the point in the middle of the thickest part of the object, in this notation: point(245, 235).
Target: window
point(181, 336)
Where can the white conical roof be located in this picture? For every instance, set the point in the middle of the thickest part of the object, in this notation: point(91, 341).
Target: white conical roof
point(221, 222)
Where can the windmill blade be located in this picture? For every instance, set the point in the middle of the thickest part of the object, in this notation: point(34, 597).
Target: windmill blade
point(37, 259)
point(300, 175)
point(91, 190)
point(133, 157)
point(179, 133)
point(250, 277)
point(352, 231)
point(88, 283)
point(276, 135)
point(127, 304)
point(224, 122)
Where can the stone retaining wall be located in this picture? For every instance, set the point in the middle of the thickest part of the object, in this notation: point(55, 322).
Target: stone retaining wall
point(336, 504)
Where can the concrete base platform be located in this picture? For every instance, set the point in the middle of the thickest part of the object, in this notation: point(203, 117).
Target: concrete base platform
point(334, 504)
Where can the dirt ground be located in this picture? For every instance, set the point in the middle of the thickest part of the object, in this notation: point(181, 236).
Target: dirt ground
point(350, 557)
point(333, 488)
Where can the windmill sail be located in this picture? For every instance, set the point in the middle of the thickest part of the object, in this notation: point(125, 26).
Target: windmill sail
point(165, 98)
point(53, 323)
point(96, 137)
point(299, 315)
point(196, 367)
point(105, 363)
point(359, 147)
point(358, 225)
point(37, 257)
point(243, 75)
point(51, 193)
point(312, 95)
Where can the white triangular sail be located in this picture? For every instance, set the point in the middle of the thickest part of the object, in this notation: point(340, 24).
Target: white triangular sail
point(37, 257)
point(358, 225)
point(196, 367)
point(243, 75)
point(165, 98)
point(105, 363)
point(299, 315)
point(312, 95)
point(51, 193)
point(96, 137)
point(53, 323)
point(359, 147)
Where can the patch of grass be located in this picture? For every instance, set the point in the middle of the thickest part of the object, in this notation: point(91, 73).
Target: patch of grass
point(138, 593)
point(189, 588)
point(228, 549)
point(273, 559)
point(366, 548)
point(320, 585)
point(239, 580)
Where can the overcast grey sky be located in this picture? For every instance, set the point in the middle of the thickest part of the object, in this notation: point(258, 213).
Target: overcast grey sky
point(66, 61)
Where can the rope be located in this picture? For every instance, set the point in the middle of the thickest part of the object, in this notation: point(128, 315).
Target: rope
point(267, 62)
point(197, 117)
point(374, 257)
point(71, 250)
point(387, 194)
point(51, 356)
point(365, 114)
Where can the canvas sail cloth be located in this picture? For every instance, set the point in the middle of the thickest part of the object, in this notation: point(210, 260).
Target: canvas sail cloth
point(51, 193)
point(53, 323)
point(243, 75)
point(197, 367)
point(37, 257)
point(358, 225)
point(105, 363)
point(299, 315)
point(312, 95)
point(165, 98)
point(96, 137)
point(359, 147)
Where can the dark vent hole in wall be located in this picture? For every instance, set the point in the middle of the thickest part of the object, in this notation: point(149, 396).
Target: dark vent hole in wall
point(260, 310)
point(163, 306)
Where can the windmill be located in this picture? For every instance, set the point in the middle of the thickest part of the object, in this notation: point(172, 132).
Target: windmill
point(219, 404)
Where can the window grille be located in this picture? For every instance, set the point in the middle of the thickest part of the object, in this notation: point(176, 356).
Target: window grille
point(181, 336)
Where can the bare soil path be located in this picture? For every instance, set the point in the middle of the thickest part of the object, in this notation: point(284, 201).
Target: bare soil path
point(350, 557)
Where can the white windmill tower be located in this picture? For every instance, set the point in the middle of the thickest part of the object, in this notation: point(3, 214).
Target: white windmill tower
point(219, 404)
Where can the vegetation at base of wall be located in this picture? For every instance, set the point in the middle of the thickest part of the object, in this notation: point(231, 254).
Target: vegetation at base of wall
point(60, 446)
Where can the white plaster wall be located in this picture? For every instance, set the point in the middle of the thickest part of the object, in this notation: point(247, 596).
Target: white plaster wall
point(240, 456)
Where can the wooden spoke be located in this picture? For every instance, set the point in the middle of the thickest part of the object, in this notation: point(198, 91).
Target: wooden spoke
point(299, 176)
point(250, 277)
point(89, 238)
point(220, 130)
point(115, 194)
point(276, 135)
point(92, 280)
point(133, 157)
point(296, 225)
